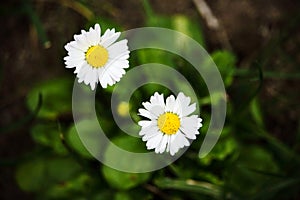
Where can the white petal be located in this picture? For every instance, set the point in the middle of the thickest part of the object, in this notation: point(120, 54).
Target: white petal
point(124, 57)
point(199, 123)
point(188, 110)
point(144, 123)
point(181, 139)
point(156, 111)
point(185, 101)
point(117, 64)
point(149, 129)
point(107, 41)
point(88, 76)
point(177, 108)
point(95, 34)
point(150, 134)
point(86, 36)
point(172, 145)
point(147, 105)
point(154, 141)
point(114, 74)
point(81, 42)
point(178, 142)
point(105, 79)
point(161, 148)
point(94, 79)
point(144, 113)
point(168, 144)
point(189, 126)
point(170, 103)
point(118, 49)
point(78, 68)
point(157, 99)
point(77, 45)
point(83, 71)
point(107, 34)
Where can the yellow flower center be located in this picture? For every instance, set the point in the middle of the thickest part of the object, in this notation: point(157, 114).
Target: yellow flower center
point(168, 123)
point(96, 56)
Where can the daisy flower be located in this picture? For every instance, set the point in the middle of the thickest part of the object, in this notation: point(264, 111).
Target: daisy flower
point(97, 58)
point(171, 125)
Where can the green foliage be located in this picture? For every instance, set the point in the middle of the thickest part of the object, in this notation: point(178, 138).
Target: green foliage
point(48, 135)
point(225, 62)
point(246, 163)
point(90, 135)
point(225, 148)
point(122, 180)
point(41, 173)
point(56, 98)
point(205, 188)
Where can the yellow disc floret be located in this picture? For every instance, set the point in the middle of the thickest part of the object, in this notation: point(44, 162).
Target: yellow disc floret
point(96, 56)
point(168, 123)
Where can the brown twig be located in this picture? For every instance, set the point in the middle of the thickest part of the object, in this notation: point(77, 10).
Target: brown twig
point(213, 23)
point(156, 191)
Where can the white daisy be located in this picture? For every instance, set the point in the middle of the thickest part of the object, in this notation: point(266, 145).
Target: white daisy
point(169, 126)
point(97, 58)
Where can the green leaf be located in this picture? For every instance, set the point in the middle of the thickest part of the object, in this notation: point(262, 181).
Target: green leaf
point(270, 191)
point(122, 180)
point(224, 147)
point(159, 21)
point(29, 176)
point(89, 135)
point(41, 173)
point(225, 62)
point(190, 186)
point(256, 111)
point(74, 188)
point(56, 94)
point(189, 27)
point(48, 135)
point(60, 169)
point(249, 182)
point(146, 56)
point(128, 143)
point(122, 196)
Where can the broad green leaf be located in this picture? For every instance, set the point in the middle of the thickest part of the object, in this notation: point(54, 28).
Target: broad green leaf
point(225, 62)
point(104, 194)
point(131, 144)
point(190, 186)
point(146, 56)
point(122, 180)
point(122, 196)
point(258, 158)
point(56, 98)
point(48, 135)
point(30, 175)
point(41, 173)
point(74, 188)
point(189, 27)
point(159, 21)
point(246, 181)
point(224, 147)
point(88, 135)
point(60, 169)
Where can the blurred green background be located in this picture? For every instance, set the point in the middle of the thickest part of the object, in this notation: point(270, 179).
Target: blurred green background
point(256, 46)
